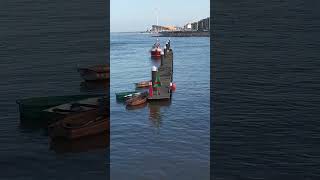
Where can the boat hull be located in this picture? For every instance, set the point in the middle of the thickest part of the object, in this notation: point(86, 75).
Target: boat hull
point(155, 53)
point(138, 100)
point(90, 127)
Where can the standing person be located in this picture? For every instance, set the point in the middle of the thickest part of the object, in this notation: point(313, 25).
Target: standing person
point(157, 83)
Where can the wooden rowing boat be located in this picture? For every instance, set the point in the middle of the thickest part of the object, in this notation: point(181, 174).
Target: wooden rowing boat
point(80, 125)
point(137, 100)
point(61, 111)
point(142, 84)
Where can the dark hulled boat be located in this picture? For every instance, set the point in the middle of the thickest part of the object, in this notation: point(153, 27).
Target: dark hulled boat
point(80, 125)
point(32, 109)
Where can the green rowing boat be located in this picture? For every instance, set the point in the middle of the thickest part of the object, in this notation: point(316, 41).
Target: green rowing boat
point(121, 96)
point(31, 109)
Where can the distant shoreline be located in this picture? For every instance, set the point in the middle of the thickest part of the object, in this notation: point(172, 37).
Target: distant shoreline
point(173, 33)
point(184, 34)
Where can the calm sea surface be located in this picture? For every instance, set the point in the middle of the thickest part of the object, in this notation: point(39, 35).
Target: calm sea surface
point(167, 140)
point(266, 90)
point(41, 44)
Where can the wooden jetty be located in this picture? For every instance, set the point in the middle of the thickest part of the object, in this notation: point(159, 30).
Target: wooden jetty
point(166, 75)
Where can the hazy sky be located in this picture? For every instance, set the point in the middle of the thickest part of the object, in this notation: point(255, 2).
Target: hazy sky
point(129, 15)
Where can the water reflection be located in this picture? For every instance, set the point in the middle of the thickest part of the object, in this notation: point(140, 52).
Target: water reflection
point(27, 126)
point(155, 111)
point(85, 144)
point(141, 106)
point(94, 86)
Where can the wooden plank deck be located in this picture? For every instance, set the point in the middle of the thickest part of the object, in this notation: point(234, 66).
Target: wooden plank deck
point(166, 76)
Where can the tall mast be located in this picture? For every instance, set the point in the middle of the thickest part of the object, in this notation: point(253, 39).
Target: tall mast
point(157, 16)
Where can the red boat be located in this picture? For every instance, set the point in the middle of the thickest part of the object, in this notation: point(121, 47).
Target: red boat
point(156, 50)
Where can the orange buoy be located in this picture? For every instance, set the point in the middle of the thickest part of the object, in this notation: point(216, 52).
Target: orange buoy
point(173, 86)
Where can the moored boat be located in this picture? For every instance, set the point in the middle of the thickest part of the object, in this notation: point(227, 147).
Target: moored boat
point(129, 96)
point(156, 50)
point(137, 100)
point(121, 95)
point(142, 84)
point(75, 107)
point(31, 109)
point(80, 125)
point(95, 73)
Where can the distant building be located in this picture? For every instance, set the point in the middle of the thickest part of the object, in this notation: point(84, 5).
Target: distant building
point(156, 28)
point(179, 28)
point(187, 27)
point(204, 24)
point(194, 26)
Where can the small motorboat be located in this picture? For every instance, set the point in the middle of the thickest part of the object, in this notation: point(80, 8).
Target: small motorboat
point(156, 50)
point(137, 100)
point(142, 84)
point(80, 125)
point(95, 73)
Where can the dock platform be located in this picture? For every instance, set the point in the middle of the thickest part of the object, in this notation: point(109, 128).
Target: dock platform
point(166, 77)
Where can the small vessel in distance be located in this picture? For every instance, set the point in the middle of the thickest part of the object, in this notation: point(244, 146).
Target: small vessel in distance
point(95, 73)
point(156, 50)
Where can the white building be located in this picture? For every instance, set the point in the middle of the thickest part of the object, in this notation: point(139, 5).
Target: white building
point(187, 26)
